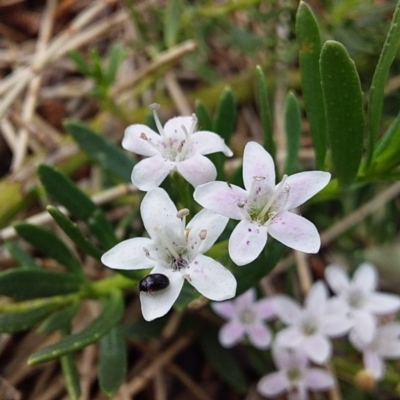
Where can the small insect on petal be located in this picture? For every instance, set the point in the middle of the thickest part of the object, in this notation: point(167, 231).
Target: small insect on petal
point(153, 283)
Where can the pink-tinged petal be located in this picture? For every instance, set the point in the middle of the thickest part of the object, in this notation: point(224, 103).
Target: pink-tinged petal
point(383, 303)
point(318, 379)
point(129, 254)
point(295, 232)
point(287, 359)
point(173, 127)
point(337, 305)
point(289, 338)
point(247, 242)
point(246, 299)
point(273, 384)
point(222, 198)
point(317, 348)
point(374, 364)
point(336, 325)
point(211, 279)
point(225, 309)
point(197, 170)
point(337, 278)
point(159, 214)
point(231, 334)
point(205, 142)
point(387, 341)
point(150, 172)
point(257, 163)
point(265, 308)
point(157, 304)
point(299, 392)
point(259, 336)
point(133, 141)
point(210, 222)
point(316, 298)
point(305, 185)
point(364, 325)
point(366, 277)
point(288, 310)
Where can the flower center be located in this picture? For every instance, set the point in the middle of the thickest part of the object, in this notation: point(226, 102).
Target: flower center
point(309, 326)
point(247, 316)
point(294, 374)
point(356, 298)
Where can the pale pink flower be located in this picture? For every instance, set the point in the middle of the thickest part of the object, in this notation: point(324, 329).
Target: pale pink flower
point(295, 376)
point(263, 207)
point(175, 250)
point(246, 317)
point(311, 326)
point(178, 147)
point(359, 298)
point(384, 345)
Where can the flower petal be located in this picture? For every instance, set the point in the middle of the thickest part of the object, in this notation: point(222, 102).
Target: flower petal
point(374, 363)
point(160, 214)
point(337, 278)
point(259, 335)
point(317, 348)
point(289, 338)
point(316, 298)
point(305, 185)
point(129, 254)
point(173, 127)
point(318, 379)
point(273, 384)
point(366, 277)
point(288, 310)
point(150, 172)
point(246, 299)
point(383, 303)
point(205, 142)
point(257, 162)
point(336, 325)
point(197, 170)
point(221, 197)
point(231, 333)
point(209, 221)
point(157, 304)
point(364, 325)
point(133, 141)
point(225, 309)
point(295, 232)
point(247, 242)
point(211, 279)
point(265, 308)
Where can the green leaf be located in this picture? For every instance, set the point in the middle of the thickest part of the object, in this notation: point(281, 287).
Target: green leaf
point(102, 229)
point(30, 283)
point(376, 93)
point(20, 255)
point(74, 233)
point(115, 58)
point(309, 41)
point(223, 360)
point(172, 22)
point(293, 133)
point(113, 308)
point(71, 376)
point(25, 319)
point(101, 150)
point(265, 112)
point(48, 243)
point(59, 320)
point(80, 63)
point(204, 120)
point(141, 329)
point(343, 101)
point(112, 361)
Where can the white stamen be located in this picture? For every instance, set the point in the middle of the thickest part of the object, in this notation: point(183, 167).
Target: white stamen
point(147, 253)
point(149, 141)
point(183, 147)
point(166, 243)
point(154, 107)
point(194, 124)
point(275, 195)
point(182, 214)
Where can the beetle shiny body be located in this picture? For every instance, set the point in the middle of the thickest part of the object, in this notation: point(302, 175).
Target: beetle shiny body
point(153, 283)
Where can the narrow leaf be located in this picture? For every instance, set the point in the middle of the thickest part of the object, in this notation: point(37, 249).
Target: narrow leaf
point(172, 22)
point(59, 320)
point(74, 233)
point(293, 132)
point(102, 229)
point(376, 93)
point(265, 112)
point(112, 361)
point(20, 255)
point(30, 283)
point(204, 120)
point(309, 41)
point(105, 153)
point(112, 311)
point(48, 243)
point(115, 58)
point(71, 376)
point(225, 117)
point(343, 101)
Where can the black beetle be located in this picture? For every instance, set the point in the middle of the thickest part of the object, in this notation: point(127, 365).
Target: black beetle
point(153, 283)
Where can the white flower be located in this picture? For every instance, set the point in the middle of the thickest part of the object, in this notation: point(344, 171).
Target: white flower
point(311, 326)
point(294, 376)
point(246, 317)
point(177, 147)
point(359, 298)
point(384, 345)
point(176, 251)
point(263, 207)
